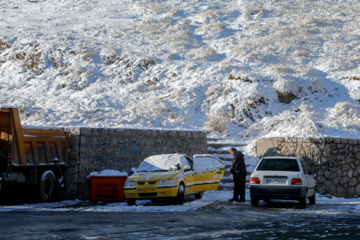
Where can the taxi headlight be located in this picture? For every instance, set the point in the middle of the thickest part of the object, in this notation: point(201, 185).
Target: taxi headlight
point(167, 182)
point(129, 185)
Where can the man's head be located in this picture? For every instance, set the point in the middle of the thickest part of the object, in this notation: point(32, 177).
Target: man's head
point(233, 151)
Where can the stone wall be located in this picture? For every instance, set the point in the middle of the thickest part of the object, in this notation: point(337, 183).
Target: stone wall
point(96, 149)
point(336, 160)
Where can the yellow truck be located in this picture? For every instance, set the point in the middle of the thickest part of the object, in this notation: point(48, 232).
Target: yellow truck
point(31, 156)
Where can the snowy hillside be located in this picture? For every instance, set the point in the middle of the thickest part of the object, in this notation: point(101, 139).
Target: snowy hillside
point(240, 69)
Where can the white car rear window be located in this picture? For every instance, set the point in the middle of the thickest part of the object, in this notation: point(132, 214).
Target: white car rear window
point(274, 164)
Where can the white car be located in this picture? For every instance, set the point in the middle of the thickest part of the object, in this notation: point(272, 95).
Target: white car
point(282, 178)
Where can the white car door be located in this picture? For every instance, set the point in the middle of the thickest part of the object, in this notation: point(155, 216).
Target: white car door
point(309, 179)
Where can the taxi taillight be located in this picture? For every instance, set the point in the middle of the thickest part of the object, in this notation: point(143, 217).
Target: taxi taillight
point(254, 180)
point(296, 181)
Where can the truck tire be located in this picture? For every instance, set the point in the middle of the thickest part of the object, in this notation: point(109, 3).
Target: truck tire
point(46, 185)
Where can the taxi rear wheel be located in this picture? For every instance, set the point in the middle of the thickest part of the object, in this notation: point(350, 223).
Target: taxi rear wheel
point(199, 195)
point(130, 202)
point(181, 194)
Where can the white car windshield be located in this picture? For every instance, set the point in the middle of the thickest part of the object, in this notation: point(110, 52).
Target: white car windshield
point(158, 163)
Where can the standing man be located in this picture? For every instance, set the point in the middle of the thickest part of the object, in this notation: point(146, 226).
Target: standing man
point(238, 170)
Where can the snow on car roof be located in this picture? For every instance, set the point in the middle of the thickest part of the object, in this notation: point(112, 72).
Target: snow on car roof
point(159, 162)
point(283, 157)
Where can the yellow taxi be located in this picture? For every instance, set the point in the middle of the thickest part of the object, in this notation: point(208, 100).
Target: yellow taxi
point(174, 176)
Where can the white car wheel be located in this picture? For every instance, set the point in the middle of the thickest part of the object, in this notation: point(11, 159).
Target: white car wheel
point(303, 201)
point(312, 199)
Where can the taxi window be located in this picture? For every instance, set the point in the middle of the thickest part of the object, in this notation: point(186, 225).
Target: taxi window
point(184, 162)
point(190, 162)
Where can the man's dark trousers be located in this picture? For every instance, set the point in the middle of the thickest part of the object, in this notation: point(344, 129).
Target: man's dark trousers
point(239, 186)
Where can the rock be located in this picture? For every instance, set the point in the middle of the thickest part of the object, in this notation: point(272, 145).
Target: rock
point(344, 180)
point(350, 192)
point(353, 182)
point(345, 168)
point(340, 191)
point(357, 189)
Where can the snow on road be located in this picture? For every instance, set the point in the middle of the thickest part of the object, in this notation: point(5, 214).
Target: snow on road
point(324, 205)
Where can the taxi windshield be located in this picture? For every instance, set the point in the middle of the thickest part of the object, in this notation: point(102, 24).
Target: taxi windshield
point(158, 163)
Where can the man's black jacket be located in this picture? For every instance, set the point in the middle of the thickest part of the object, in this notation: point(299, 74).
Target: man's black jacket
point(238, 167)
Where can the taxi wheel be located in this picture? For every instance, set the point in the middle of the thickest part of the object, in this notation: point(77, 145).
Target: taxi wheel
point(181, 194)
point(130, 202)
point(199, 195)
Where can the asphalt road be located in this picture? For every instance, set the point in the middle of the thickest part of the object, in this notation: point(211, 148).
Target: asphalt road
point(218, 220)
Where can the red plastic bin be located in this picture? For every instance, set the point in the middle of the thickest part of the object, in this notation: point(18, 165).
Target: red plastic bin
point(107, 188)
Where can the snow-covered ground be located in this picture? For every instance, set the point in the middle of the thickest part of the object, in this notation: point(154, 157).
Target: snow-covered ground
point(240, 69)
point(211, 197)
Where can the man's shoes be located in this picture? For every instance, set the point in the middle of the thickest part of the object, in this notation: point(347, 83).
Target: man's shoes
point(233, 200)
point(242, 200)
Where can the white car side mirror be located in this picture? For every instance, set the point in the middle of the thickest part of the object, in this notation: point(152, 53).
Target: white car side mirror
point(132, 170)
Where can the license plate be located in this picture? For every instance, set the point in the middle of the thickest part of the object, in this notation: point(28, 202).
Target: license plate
point(146, 190)
point(275, 180)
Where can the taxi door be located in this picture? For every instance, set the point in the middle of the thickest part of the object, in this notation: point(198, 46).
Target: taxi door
point(187, 168)
point(208, 172)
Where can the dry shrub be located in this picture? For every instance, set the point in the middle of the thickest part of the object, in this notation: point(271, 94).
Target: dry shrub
point(32, 57)
point(286, 97)
point(355, 78)
point(253, 10)
point(149, 109)
point(218, 122)
point(287, 90)
point(4, 45)
point(210, 14)
point(243, 79)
